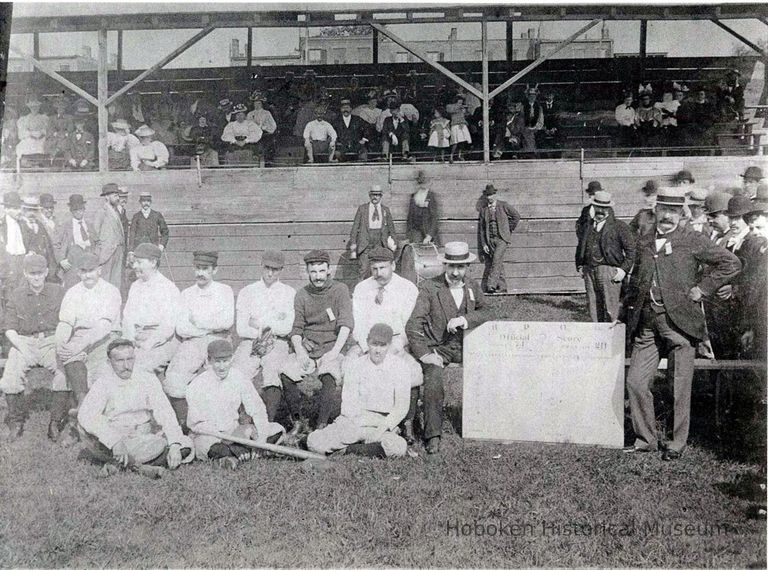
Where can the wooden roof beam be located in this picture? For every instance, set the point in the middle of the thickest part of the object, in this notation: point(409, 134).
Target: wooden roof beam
point(50, 72)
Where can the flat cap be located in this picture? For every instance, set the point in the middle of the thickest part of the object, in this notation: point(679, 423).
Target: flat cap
point(220, 348)
point(147, 251)
point(273, 258)
point(317, 256)
point(205, 257)
point(109, 188)
point(35, 263)
point(88, 262)
point(381, 254)
point(380, 333)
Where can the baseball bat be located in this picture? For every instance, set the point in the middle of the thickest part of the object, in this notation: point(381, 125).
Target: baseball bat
point(281, 449)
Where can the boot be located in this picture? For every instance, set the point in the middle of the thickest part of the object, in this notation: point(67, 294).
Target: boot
point(408, 434)
point(179, 406)
point(16, 415)
point(59, 408)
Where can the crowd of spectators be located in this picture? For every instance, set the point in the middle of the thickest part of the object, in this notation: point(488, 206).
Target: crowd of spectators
point(299, 120)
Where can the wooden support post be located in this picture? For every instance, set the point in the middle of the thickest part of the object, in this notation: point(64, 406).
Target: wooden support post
point(119, 50)
point(375, 46)
point(36, 45)
point(50, 72)
point(423, 57)
point(168, 58)
point(486, 100)
point(643, 51)
point(249, 49)
point(542, 58)
point(6, 12)
point(510, 41)
point(103, 92)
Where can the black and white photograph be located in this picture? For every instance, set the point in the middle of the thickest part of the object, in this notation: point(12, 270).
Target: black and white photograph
point(383, 284)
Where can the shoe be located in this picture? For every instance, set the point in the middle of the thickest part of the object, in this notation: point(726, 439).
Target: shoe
point(633, 449)
point(408, 432)
point(107, 470)
point(671, 455)
point(433, 445)
point(151, 471)
point(54, 431)
point(228, 463)
point(69, 437)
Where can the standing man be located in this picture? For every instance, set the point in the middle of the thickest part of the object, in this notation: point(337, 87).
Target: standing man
point(387, 298)
point(147, 226)
point(645, 219)
point(662, 310)
point(36, 238)
point(13, 250)
point(206, 313)
point(322, 324)
point(716, 206)
point(447, 305)
point(752, 176)
point(264, 321)
point(73, 239)
point(151, 312)
point(121, 414)
point(698, 220)
point(374, 400)
point(495, 225)
point(108, 237)
point(47, 203)
point(604, 256)
point(373, 227)
point(30, 319)
point(88, 320)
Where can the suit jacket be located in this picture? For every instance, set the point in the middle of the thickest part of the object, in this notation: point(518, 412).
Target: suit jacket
point(64, 246)
point(506, 217)
point(41, 244)
point(402, 132)
point(427, 327)
point(417, 227)
point(616, 243)
point(151, 229)
point(359, 233)
point(348, 138)
point(679, 270)
point(107, 233)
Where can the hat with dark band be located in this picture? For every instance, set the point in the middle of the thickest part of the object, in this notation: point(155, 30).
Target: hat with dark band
point(31, 203)
point(457, 253)
point(76, 202)
point(317, 256)
point(380, 333)
point(376, 190)
point(123, 191)
point(147, 251)
point(490, 190)
point(667, 196)
point(34, 263)
point(738, 206)
point(602, 199)
point(759, 207)
point(697, 196)
point(88, 262)
point(144, 195)
point(716, 202)
point(220, 348)
point(753, 173)
point(205, 257)
point(381, 254)
point(109, 188)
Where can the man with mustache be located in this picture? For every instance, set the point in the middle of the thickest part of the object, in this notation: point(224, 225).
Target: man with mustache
point(207, 313)
point(663, 311)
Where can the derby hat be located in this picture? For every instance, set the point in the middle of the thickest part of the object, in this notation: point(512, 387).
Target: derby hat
point(489, 190)
point(683, 176)
point(109, 188)
point(716, 202)
point(76, 202)
point(457, 253)
point(47, 200)
point(738, 206)
point(594, 186)
point(753, 173)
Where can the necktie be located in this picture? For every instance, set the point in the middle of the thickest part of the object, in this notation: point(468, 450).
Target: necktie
point(380, 295)
point(83, 232)
point(375, 217)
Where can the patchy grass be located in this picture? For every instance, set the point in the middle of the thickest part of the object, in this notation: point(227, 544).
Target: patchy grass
point(557, 505)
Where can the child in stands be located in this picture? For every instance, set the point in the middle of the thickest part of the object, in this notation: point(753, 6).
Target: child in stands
point(439, 134)
point(459, 130)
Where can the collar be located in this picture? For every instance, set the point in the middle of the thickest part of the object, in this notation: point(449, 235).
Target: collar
point(312, 289)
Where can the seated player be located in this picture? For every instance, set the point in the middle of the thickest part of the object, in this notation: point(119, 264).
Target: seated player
point(214, 398)
point(119, 414)
point(374, 400)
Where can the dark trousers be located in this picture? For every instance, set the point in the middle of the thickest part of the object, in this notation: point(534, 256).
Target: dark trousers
point(656, 332)
point(493, 275)
point(434, 391)
point(374, 241)
point(100, 454)
point(325, 398)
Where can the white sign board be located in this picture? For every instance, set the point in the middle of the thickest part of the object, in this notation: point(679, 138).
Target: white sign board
point(549, 382)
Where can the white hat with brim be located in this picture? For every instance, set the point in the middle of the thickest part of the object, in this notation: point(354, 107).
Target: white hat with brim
point(670, 196)
point(144, 131)
point(601, 198)
point(457, 253)
point(121, 124)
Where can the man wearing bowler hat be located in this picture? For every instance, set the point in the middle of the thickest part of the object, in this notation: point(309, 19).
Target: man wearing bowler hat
point(108, 236)
point(373, 227)
point(604, 256)
point(36, 238)
point(752, 176)
point(206, 313)
point(12, 248)
point(496, 222)
point(72, 240)
point(89, 320)
point(662, 311)
point(147, 226)
point(715, 207)
point(352, 134)
point(48, 203)
point(447, 305)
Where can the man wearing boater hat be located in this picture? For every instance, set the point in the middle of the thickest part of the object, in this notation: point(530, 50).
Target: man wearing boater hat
point(72, 240)
point(447, 305)
point(373, 227)
point(662, 310)
point(496, 222)
point(109, 237)
point(604, 256)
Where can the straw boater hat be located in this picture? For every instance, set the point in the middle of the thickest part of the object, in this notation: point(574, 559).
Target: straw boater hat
point(670, 197)
point(602, 198)
point(31, 203)
point(457, 253)
point(697, 196)
point(144, 131)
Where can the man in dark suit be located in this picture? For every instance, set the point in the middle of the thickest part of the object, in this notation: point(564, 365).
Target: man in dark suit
point(396, 132)
point(352, 135)
point(147, 226)
point(73, 239)
point(604, 256)
point(494, 233)
point(662, 309)
point(447, 305)
point(36, 238)
point(373, 227)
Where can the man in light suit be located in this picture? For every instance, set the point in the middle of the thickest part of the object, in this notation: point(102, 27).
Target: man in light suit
point(447, 305)
point(373, 227)
point(108, 236)
point(496, 222)
point(73, 239)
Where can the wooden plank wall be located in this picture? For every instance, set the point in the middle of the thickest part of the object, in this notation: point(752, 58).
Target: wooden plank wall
point(242, 212)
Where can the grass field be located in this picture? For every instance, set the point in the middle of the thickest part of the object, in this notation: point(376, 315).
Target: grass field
point(473, 505)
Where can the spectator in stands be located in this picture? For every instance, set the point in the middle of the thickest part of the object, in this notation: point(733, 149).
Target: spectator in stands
point(60, 126)
point(698, 217)
point(604, 256)
point(696, 118)
point(423, 214)
point(439, 134)
point(626, 119)
point(319, 137)
point(645, 220)
point(730, 97)
point(407, 111)
point(206, 155)
point(372, 227)
point(353, 135)
point(81, 147)
point(9, 137)
point(266, 122)
point(305, 114)
point(460, 136)
point(369, 112)
point(647, 119)
point(120, 141)
point(310, 90)
point(32, 130)
point(516, 134)
point(668, 107)
point(495, 225)
point(242, 135)
point(533, 115)
point(164, 127)
point(752, 177)
point(680, 91)
point(551, 136)
point(224, 107)
point(396, 132)
point(149, 154)
point(202, 131)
